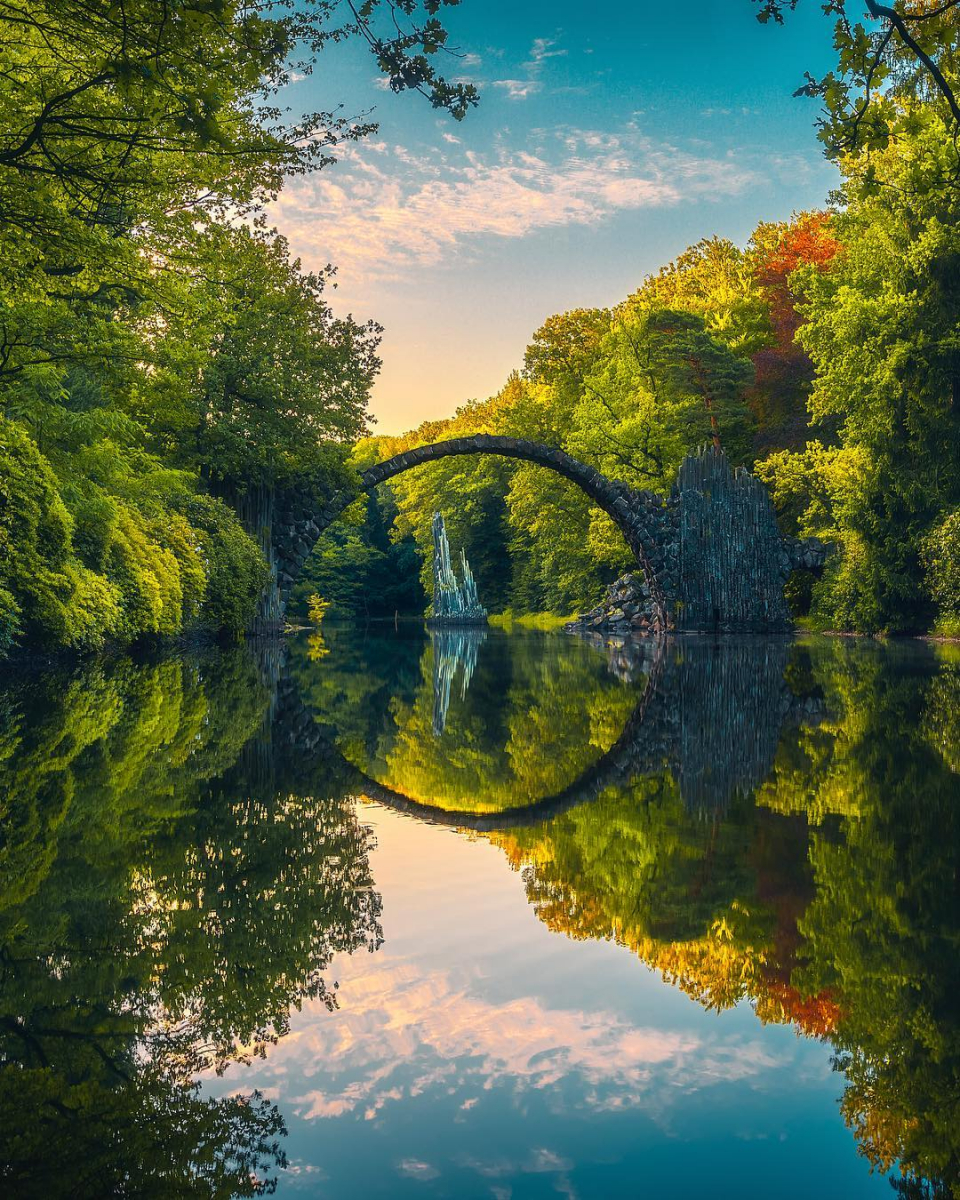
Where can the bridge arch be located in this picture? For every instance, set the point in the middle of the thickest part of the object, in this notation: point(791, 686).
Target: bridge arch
point(640, 516)
point(639, 750)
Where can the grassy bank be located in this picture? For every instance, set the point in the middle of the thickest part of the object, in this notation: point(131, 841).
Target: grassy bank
point(543, 620)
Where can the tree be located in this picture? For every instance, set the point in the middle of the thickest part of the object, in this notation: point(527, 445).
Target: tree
point(155, 342)
point(784, 370)
point(664, 387)
point(909, 54)
point(565, 346)
point(716, 281)
point(881, 328)
point(258, 379)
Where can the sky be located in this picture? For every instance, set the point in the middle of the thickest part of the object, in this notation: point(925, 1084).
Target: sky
point(608, 139)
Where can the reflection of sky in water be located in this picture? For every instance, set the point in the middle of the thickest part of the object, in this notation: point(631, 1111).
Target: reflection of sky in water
point(477, 1053)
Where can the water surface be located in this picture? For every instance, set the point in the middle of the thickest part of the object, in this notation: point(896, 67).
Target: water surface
point(386, 913)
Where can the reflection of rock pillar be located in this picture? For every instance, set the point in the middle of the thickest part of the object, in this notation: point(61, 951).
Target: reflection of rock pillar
point(453, 650)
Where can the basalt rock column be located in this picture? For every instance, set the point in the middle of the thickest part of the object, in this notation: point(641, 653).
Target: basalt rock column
point(732, 560)
point(454, 603)
point(720, 561)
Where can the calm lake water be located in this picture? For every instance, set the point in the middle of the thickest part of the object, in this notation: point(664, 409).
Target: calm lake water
point(390, 913)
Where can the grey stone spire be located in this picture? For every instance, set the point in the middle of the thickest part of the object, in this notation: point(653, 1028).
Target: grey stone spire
point(454, 603)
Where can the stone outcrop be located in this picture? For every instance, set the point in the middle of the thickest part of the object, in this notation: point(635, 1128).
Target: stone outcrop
point(725, 561)
point(627, 607)
point(455, 601)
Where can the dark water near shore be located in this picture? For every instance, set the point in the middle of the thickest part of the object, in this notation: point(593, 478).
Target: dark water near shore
point(386, 913)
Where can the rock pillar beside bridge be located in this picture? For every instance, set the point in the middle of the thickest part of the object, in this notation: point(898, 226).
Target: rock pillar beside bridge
point(720, 560)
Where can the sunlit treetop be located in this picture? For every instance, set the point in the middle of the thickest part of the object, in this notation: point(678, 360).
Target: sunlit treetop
point(96, 96)
point(907, 53)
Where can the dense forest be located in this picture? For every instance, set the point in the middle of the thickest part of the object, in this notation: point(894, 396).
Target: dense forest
point(167, 368)
point(165, 364)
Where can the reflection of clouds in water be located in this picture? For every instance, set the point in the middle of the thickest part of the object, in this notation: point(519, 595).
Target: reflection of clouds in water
point(402, 1034)
point(415, 1169)
point(538, 1162)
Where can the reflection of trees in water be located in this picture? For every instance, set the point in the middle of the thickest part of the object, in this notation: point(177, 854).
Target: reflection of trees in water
point(175, 873)
point(829, 900)
point(533, 719)
point(168, 894)
point(710, 713)
point(454, 653)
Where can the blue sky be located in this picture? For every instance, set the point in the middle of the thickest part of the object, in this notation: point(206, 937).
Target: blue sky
point(608, 139)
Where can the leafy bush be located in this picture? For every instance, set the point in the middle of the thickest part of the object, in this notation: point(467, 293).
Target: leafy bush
point(9, 620)
point(941, 560)
point(236, 570)
point(105, 570)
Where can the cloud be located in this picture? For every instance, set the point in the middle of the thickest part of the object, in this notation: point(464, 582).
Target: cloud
point(413, 1168)
point(519, 89)
point(383, 211)
point(402, 1034)
point(542, 48)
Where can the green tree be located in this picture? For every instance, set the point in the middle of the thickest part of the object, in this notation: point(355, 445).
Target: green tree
point(881, 327)
point(665, 386)
point(907, 53)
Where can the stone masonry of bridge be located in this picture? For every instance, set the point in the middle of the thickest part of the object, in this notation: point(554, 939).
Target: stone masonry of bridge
point(710, 555)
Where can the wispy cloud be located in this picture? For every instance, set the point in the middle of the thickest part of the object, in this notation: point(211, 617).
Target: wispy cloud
point(531, 83)
point(543, 48)
point(519, 89)
point(386, 209)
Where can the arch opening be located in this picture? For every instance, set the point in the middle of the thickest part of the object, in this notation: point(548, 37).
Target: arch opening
point(640, 516)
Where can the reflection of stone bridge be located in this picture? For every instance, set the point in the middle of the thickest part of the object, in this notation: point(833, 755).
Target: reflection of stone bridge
point(710, 714)
point(711, 554)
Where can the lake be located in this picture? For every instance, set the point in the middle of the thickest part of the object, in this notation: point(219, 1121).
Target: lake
point(388, 912)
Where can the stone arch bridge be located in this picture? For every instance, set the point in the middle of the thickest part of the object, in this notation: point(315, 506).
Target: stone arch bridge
point(710, 554)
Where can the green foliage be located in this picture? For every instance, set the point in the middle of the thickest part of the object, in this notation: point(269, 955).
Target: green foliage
point(152, 345)
point(941, 554)
point(702, 351)
point(881, 328)
point(716, 281)
point(359, 570)
point(56, 596)
point(565, 346)
point(114, 571)
point(666, 387)
point(235, 568)
point(908, 53)
point(257, 376)
point(169, 891)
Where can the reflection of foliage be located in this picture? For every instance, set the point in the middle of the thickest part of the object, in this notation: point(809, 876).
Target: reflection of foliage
point(883, 931)
point(530, 723)
point(638, 868)
point(170, 897)
point(858, 944)
point(942, 717)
